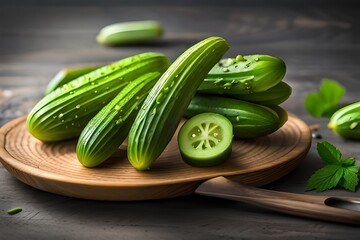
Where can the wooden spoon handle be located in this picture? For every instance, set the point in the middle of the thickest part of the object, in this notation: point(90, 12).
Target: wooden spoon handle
point(310, 206)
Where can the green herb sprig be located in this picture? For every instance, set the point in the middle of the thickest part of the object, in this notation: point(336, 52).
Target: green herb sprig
point(338, 171)
point(324, 102)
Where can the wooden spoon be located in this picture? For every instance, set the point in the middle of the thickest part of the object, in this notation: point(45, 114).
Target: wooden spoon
point(311, 206)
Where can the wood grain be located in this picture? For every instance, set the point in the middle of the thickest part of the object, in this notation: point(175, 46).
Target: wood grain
point(53, 167)
point(309, 206)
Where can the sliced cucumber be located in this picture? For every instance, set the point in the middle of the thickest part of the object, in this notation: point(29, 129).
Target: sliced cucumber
point(206, 140)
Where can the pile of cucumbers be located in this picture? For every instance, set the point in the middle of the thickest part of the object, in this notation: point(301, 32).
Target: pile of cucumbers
point(144, 98)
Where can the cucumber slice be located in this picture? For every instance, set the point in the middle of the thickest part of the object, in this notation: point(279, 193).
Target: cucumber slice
point(206, 140)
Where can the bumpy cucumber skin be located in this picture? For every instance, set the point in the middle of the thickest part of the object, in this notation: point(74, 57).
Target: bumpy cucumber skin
point(271, 97)
point(249, 120)
point(129, 33)
point(66, 75)
point(64, 112)
point(109, 128)
point(256, 73)
point(346, 121)
point(162, 110)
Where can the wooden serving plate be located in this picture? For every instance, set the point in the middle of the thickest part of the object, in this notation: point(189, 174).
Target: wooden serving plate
point(53, 167)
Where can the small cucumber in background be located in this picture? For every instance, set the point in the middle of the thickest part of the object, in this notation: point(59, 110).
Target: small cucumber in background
point(205, 140)
point(271, 97)
point(162, 110)
point(66, 75)
point(109, 128)
point(346, 121)
point(64, 112)
point(244, 75)
point(130, 33)
point(249, 120)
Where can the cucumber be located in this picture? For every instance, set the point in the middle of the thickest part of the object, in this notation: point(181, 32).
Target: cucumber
point(64, 112)
point(244, 75)
point(346, 121)
point(108, 129)
point(271, 97)
point(130, 33)
point(282, 114)
point(162, 110)
point(205, 140)
point(249, 120)
point(66, 75)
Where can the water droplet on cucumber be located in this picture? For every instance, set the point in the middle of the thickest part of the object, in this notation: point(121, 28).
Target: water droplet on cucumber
point(237, 118)
point(227, 85)
point(166, 89)
point(219, 80)
point(78, 106)
point(226, 62)
point(117, 107)
point(119, 121)
point(354, 125)
point(61, 115)
point(239, 58)
point(153, 112)
point(160, 98)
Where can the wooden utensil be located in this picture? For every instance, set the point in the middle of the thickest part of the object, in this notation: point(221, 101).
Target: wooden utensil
point(53, 167)
point(310, 206)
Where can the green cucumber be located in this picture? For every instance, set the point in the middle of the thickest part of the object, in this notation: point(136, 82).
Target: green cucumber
point(346, 121)
point(271, 97)
point(109, 128)
point(205, 140)
point(249, 120)
point(130, 33)
point(244, 75)
point(162, 110)
point(282, 114)
point(64, 112)
point(66, 75)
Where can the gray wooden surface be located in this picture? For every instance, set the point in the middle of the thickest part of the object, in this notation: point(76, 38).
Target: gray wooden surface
point(316, 41)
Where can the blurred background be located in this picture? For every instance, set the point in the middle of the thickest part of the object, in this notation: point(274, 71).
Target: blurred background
point(317, 39)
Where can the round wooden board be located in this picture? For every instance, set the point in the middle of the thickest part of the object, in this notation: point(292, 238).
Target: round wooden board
point(53, 167)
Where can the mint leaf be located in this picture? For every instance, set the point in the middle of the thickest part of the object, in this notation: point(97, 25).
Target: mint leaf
point(325, 178)
point(324, 102)
point(336, 172)
point(350, 178)
point(348, 162)
point(329, 153)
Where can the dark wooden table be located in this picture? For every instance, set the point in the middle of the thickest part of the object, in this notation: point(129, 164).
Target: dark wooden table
point(317, 39)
